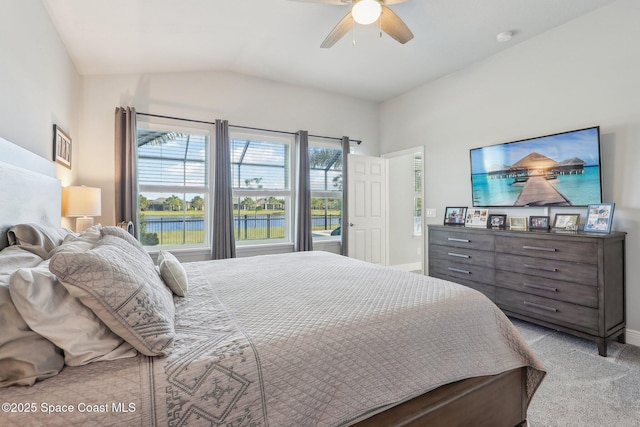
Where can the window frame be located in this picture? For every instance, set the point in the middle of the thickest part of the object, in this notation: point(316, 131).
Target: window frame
point(289, 195)
point(206, 190)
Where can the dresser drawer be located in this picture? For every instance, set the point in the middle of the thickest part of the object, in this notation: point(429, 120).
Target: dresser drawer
point(462, 239)
point(587, 274)
point(565, 250)
point(462, 255)
point(457, 271)
point(555, 289)
point(548, 310)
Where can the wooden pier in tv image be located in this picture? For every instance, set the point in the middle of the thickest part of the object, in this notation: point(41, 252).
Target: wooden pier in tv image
point(534, 172)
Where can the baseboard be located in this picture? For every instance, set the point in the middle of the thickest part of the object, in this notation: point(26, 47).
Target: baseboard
point(414, 266)
point(632, 337)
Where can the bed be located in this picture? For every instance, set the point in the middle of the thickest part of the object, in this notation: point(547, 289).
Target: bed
point(302, 339)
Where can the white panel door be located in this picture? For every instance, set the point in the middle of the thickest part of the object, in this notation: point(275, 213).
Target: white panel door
point(367, 211)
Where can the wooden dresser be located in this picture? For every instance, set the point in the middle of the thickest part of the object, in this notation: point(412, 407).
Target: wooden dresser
point(570, 282)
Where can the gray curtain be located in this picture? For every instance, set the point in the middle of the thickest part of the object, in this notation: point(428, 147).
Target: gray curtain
point(223, 242)
point(125, 160)
point(344, 230)
point(304, 236)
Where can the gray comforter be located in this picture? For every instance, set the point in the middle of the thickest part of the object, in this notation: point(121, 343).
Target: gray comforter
point(304, 339)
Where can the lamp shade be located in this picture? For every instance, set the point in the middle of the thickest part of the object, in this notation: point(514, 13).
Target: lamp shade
point(82, 201)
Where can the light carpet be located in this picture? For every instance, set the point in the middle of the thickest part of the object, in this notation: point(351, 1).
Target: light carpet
point(582, 388)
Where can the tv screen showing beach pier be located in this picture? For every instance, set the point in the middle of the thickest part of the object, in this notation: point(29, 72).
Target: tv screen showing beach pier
point(554, 170)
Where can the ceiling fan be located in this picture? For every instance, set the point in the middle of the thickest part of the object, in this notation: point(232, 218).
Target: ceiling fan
point(367, 12)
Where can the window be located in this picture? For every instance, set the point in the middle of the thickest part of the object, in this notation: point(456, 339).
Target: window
point(261, 175)
point(325, 164)
point(417, 197)
point(173, 185)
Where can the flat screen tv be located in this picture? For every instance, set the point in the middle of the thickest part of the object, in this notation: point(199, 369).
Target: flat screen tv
point(553, 170)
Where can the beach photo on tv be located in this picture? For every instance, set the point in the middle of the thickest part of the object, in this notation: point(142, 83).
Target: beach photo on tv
point(555, 170)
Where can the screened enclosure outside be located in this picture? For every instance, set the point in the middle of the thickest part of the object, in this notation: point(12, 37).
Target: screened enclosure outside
point(325, 164)
point(173, 185)
point(261, 176)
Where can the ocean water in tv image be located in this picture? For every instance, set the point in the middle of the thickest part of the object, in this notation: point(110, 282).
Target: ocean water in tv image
point(579, 189)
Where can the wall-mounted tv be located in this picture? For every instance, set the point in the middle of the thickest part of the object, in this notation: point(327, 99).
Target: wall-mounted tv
point(553, 170)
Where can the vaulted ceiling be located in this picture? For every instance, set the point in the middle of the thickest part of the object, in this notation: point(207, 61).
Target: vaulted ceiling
point(280, 39)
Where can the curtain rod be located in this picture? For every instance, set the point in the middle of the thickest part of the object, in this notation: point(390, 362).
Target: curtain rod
point(357, 141)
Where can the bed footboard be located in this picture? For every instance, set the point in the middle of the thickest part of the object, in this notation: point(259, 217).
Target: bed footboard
point(492, 401)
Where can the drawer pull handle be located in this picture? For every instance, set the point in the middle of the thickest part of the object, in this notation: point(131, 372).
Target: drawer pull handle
point(458, 270)
point(535, 267)
point(543, 307)
point(541, 287)
point(453, 239)
point(536, 248)
point(459, 255)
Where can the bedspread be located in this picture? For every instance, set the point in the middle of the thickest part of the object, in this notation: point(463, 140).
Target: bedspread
point(303, 339)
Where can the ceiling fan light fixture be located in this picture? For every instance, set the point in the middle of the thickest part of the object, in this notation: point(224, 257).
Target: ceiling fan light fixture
point(366, 12)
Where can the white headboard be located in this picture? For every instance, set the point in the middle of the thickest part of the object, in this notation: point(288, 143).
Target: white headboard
point(29, 191)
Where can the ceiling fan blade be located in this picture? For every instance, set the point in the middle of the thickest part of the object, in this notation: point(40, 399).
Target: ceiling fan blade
point(386, 2)
point(394, 26)
point(338, 31)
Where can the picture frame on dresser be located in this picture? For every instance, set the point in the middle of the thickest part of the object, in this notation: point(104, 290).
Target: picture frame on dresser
point(517, 223)
point(566, 222)
point(455, 215)
point(477, 218)
point(497, 221)
point(539, 222)
point(599, 218)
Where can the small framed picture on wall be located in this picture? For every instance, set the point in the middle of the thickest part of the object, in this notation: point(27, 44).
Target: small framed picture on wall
point(61, 147)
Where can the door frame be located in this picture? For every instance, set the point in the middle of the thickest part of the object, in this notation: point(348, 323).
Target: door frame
point(399, 153)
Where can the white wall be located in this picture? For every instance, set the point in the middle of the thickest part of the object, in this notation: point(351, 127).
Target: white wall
point(242, 100)
point(583, 73)
point(404, 248)
point(38, 82)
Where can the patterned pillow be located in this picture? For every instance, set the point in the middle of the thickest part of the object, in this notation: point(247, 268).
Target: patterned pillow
point(123, 234)
point(172, 273)
point(122, 287)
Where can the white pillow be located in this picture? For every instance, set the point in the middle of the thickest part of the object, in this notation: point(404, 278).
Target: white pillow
point(173, 273)
point(48, 308)
point(39, 239)
point(25, 357)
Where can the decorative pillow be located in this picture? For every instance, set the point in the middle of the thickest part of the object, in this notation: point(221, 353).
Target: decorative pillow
point(122, 287)
point(172, 273)
point(49, 310)
point(25, 356)
point(79, 242)
point(123, 234)
point(36, 238)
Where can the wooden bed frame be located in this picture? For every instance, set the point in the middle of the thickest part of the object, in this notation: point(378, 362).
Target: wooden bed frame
point(32, 194)
point(490, 401)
